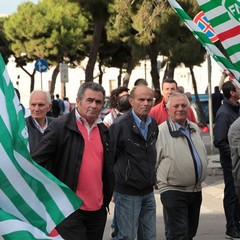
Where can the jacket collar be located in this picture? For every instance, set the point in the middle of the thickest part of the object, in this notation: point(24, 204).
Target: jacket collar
point(174, 131)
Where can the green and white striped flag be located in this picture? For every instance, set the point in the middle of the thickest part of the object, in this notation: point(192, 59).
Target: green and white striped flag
point(223, 16)
point(222, 61)
point(14, 229)
point(28, 192)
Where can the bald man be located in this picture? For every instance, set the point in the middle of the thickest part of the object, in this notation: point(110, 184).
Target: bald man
point(132, 142)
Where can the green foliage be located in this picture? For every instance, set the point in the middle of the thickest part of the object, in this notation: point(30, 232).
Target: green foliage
point(134, 19)
point(51, 29)
point(4, 44)
point(175, 40)
point(97, 8)
point(114, 54)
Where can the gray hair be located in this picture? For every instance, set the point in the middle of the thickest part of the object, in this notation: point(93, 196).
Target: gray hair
point(176, 94)
point(48, 97)
point(90, 85)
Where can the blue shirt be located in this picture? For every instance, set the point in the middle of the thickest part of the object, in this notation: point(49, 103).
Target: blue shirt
point(186, 132)
point(143, 126)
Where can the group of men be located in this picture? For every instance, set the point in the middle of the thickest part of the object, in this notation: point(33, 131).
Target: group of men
point(128, 160)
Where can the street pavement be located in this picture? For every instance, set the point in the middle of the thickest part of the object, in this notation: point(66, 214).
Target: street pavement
point(212, 219)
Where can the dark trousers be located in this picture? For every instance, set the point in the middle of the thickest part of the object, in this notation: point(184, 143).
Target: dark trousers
point(181, 210)
point(230, 201)
point(83, 225)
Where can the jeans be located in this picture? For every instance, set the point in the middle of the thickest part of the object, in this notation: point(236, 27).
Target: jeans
point(182, 211)
point(230, 200)
point(136, 216)
point(84, 225)
point(114, 225)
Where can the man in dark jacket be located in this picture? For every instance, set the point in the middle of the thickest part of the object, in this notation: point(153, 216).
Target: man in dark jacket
point(132, 144)
point(226, 115)
point(217, 98)
point(37, 122)
point(74, 149)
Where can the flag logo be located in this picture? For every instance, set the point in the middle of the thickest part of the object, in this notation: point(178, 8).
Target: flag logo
point(203, 23)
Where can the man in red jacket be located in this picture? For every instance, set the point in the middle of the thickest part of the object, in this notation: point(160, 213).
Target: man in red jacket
point(159, 111)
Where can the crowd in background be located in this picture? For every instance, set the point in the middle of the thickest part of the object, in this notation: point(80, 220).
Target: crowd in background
point(133, 151)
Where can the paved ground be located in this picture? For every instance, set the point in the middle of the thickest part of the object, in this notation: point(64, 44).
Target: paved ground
point(212, 219)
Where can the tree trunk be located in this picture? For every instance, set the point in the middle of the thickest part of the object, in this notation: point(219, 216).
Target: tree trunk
point(120, 77)
point(130, 67)
point(169, 72)
point(97, 33)
point(32, 76)
point(54, 77)
point(153, 54)
point(202, 115)
point(100, 77)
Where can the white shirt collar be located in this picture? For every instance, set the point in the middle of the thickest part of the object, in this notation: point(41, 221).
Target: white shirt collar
point(82, 120)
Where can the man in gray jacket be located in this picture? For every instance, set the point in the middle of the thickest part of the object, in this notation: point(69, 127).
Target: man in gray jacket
point(234, 143)
point(181, 168)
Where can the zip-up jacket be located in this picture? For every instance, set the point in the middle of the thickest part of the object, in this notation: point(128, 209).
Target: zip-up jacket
point(61, 150)
point(176, 166)
point(134, 157)
point(226, 115)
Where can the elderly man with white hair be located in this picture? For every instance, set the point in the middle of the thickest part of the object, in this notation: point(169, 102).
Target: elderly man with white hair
point(38, 121)
point(181, 168)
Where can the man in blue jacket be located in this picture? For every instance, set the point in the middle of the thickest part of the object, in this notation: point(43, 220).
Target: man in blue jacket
point(132, 142)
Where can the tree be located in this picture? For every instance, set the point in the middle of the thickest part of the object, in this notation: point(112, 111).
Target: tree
point(4, 43)
point(115, 55)
point(134, 23)
point(51, 29)
point(184, 48)
point(98, 10)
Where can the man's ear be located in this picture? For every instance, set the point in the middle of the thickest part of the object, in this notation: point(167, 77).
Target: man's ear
point(131, 101)
point(232, 93)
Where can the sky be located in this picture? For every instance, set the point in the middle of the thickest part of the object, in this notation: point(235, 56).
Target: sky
point(10, 6)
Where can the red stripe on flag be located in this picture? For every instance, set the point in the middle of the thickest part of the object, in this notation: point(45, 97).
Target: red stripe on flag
point(54, 233)
point(233, 32)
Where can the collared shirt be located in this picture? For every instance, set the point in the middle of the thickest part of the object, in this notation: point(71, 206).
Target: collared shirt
point(143, 127)
point(84, 121)
point(186, 132)
point(36, 124)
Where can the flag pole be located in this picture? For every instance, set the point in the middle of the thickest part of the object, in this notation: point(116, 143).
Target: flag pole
point(209, 65)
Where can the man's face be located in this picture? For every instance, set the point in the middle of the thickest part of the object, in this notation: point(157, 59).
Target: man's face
point(178, 110)
point(142, 101)
point(90, 105)
point(39, 106)
point(168, 89)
